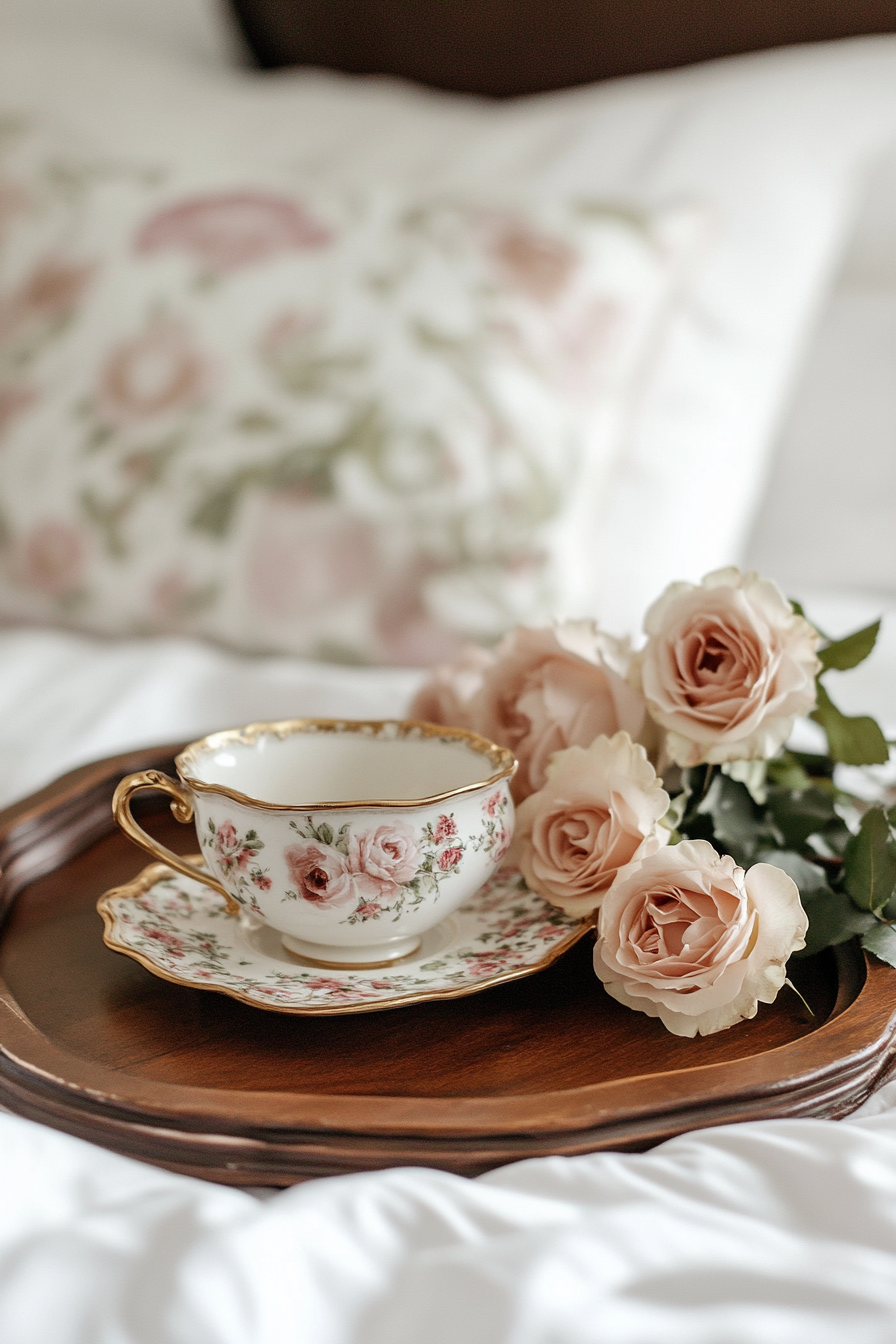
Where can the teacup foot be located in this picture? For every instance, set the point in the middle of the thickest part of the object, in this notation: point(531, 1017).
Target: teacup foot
point(350, 958)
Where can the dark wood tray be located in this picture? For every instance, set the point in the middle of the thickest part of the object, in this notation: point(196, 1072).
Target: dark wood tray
point(93, 1044)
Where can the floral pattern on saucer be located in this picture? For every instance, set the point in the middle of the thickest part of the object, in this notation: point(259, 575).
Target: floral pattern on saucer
point(179, 930)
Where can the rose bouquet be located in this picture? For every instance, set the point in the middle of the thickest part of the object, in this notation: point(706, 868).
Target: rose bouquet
point(656, 792)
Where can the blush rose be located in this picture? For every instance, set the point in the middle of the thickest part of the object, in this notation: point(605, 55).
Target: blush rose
point(727, 667)
point(321, 873)
point(551, 689)
point(687, 936)
point(446, 696)
point(599, 810)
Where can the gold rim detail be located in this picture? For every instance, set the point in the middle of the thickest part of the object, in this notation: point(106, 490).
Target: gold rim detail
point(501, 759)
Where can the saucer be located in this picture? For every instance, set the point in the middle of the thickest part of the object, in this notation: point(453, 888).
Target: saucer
point(178, 929)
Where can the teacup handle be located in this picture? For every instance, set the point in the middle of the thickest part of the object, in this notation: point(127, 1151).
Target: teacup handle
point(182, 810)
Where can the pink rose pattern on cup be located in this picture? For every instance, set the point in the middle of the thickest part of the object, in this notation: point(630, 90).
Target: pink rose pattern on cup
point(372, 873)
point(495, 836)
point(236, 858)
point(181, 929)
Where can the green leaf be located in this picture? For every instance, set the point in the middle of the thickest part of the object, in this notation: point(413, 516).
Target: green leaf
point(809, 877)
point(850, 651)
point(832, 919)
point(786, 772)
point(799, 814)
point(216, 513)
point(832, 916)
point(816, 767)
point(881, 940)
point(752, 774)
point(737, 823)
point(854, 741)
point(256, 421)
point(325, 833)
point(869, 863)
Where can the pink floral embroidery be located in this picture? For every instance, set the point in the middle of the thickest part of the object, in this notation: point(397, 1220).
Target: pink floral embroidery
point(159, 370)
point(51, 292)
point(304, 555)
point(14, 400)
point(52, 558)
point(232, 229)
point(538, 265)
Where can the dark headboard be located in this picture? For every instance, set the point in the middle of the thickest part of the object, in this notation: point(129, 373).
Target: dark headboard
point(506, 47)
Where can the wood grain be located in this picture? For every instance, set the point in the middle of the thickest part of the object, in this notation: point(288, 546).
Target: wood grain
point(92, 1043)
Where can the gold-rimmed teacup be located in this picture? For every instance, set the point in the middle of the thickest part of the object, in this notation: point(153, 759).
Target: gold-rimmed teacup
point(350, 838)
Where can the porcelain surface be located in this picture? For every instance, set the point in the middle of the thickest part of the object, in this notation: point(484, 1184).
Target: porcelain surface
point(178, 929)
point(347, 837)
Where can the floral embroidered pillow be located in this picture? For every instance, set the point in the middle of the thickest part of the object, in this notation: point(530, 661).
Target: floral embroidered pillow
point(347, 425)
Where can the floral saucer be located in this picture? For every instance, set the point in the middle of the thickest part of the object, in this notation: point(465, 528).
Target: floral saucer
point(179, 930)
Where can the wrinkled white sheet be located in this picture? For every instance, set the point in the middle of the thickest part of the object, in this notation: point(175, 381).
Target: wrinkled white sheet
point(745, 1235)
point(750, 1234)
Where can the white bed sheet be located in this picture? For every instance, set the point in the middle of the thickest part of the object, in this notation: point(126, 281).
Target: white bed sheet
point(773, 1233)
point(757, 1233)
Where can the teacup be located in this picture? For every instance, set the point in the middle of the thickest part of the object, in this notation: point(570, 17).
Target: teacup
point(351, 839)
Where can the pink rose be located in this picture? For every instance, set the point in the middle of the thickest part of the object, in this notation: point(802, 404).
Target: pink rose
point(320, 873)
point(446, 697)
point(727, 667)
point(232, 229)
point(685, 935)
point(551, 689)
point(598, 811)
point(384, 858)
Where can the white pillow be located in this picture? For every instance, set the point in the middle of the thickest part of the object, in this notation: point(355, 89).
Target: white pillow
point(198, 29)
point(348, 424)
point(771, 146)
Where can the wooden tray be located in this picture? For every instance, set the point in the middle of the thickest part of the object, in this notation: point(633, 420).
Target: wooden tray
point(93, 1044)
